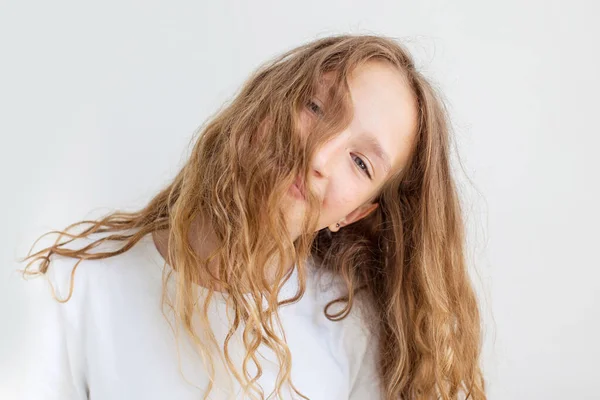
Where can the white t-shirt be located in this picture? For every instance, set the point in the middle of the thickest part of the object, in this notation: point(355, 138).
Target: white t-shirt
point(112, 341)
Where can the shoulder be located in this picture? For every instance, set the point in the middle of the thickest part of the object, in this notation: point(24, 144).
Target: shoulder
point(70, 301)
point(77, 279)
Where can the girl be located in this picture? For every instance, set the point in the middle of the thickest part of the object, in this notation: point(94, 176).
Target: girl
point(311, 247)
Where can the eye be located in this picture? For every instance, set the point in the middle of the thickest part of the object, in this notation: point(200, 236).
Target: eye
point(315, 108)
point(362, 164)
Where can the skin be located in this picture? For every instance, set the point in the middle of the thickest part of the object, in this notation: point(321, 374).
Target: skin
point(384, 107)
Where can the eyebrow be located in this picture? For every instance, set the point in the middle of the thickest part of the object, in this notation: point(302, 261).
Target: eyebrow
point(377, 149)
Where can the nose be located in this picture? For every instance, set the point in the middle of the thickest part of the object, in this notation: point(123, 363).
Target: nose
point(325, 157)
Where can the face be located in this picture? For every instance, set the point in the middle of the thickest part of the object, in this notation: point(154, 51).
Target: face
point(351, 168)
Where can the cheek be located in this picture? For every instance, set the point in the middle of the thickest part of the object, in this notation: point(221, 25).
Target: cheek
point(264, 127)
point(338, 203)
point(304, 122)
point(338, 199)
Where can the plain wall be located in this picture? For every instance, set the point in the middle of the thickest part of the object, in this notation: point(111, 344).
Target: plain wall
point(99, 102)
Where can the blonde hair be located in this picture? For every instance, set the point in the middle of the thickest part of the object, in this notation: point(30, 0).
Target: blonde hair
point(407, 256)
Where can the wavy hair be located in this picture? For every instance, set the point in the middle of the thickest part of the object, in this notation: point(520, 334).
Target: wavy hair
point(407, 257)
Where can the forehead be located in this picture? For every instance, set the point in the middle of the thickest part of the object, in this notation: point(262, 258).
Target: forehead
point(385, 115)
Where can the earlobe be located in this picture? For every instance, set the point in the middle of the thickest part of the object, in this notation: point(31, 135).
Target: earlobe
point(354, 216)
point(335, 228)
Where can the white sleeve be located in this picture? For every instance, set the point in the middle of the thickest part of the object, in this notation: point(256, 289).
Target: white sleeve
point(54, 359)
point(367, 384)
point(363, 340)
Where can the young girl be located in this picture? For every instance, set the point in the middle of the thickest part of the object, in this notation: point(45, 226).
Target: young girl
point(311, 247)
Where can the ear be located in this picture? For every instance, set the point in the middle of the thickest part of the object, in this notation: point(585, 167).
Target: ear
point(357, 214)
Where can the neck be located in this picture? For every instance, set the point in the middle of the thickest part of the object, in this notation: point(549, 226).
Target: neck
point(203, 242)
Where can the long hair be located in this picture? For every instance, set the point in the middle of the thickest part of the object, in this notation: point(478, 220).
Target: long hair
point(407, 257)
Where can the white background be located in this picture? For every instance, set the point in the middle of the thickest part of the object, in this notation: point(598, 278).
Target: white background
point(98, 103)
